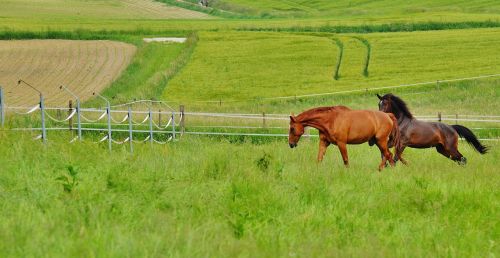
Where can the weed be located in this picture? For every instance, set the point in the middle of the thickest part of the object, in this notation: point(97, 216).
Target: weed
point(69, 181)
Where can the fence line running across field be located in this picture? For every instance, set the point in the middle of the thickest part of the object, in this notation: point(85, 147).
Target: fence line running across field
point(365, 89)
point(121, 118)
point(105, 123)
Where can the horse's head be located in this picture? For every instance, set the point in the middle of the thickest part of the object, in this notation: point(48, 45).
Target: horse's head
point(385, 104)
point(296, 131)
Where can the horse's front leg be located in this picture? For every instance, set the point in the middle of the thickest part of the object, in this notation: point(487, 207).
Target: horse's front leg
point(398, 155)
point(323, 144)
point(343, 150)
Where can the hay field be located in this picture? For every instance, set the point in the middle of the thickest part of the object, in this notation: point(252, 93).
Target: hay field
point(111, 9)
point(83, 66)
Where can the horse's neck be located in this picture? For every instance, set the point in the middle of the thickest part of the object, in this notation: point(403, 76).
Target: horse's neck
point(401, 117)
point(317, 121)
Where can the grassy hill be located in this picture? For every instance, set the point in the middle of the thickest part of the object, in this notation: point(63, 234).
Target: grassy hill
point(357, 8)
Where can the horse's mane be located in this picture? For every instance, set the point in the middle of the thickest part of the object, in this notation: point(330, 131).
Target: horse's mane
point(399, 105)
point(321, 110)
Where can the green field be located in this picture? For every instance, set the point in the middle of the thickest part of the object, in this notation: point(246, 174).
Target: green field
point(344, 8)
point(380, 9)
point(200, 197)
point(282, 64)
point(250, 196)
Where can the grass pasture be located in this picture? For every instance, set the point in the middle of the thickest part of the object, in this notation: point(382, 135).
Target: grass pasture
point(207, 197)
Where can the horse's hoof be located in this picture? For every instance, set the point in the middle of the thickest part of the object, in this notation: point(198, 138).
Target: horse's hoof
point(463, 161)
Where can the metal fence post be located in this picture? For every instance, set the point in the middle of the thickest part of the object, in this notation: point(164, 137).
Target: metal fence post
point(182, 122)
point(78, 121)
point(70, 121)
point(159, 118)
point(108, 110)
point(2, 108)
point(42, 110)
point(130, 130)
point(150, 126)
point(173, 126)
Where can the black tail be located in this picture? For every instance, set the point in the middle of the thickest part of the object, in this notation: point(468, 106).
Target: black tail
point(469, 136)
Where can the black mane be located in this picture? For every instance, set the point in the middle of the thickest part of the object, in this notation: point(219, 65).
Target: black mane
point(398, 105)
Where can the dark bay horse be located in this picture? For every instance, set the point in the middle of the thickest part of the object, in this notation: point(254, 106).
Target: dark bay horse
point(421, 134)
point(340, 126)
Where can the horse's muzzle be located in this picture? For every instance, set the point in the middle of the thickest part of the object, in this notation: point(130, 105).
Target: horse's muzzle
point(293, 145)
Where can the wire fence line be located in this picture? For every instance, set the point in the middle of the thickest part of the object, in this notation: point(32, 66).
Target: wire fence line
point(364, 89)
point(175, 125)
point(122, 119)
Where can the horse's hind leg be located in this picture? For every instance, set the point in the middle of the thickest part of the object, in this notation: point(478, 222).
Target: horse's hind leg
point(455, 154)
point(450, 150)
point(399, 155)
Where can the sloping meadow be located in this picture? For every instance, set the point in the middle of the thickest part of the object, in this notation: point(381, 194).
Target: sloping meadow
point(252, 65)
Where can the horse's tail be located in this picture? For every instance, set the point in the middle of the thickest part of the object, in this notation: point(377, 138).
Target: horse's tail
point(469, 136)
point(395, 136)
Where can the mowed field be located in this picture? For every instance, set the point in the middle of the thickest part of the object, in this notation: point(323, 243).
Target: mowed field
point(252, 65)
point(94, 9)
point(83, 66)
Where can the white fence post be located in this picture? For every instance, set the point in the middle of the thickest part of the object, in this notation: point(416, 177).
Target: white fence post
point(2, 108)
point(42, 110)
point(130, 134)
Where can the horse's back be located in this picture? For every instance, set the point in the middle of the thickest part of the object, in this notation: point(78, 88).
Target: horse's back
point(363, 125)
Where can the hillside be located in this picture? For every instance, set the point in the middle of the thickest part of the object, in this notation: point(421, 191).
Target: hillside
point(357, 8)
point(246, 65)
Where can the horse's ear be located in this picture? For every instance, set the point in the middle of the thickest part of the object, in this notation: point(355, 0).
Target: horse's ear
point(379, 97)
point(292, 118)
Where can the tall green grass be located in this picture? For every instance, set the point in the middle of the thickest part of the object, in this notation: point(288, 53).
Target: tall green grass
point(200, 197)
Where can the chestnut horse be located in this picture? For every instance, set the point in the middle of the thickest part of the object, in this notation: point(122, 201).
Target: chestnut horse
point(421, 134)
point(340, 126)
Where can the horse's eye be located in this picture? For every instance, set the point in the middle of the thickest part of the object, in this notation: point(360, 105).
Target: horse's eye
point(292, 130)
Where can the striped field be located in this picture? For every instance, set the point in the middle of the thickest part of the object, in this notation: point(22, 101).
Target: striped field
point(95, 9)
point(83, 66)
